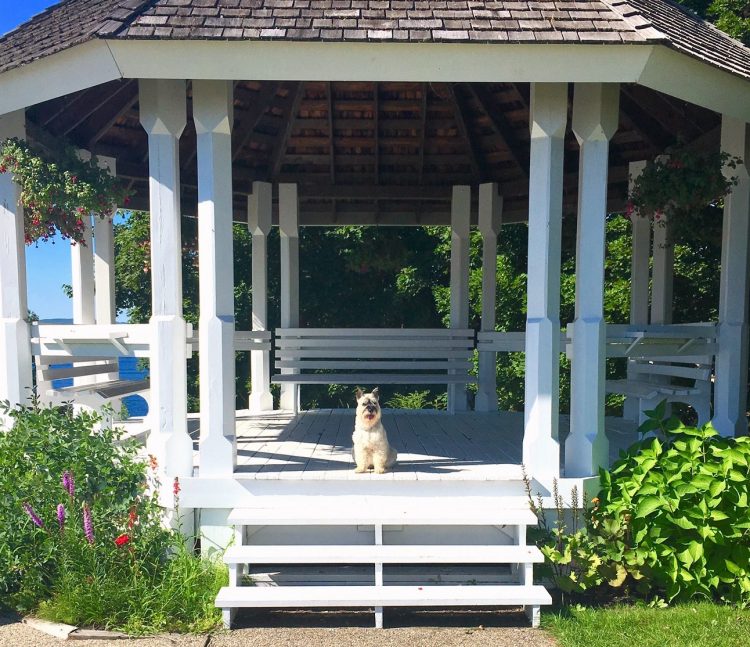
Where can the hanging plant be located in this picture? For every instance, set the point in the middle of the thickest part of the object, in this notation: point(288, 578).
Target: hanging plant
point(58, 188)
point(681, 185)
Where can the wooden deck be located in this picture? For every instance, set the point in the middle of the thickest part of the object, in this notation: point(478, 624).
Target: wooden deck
point(432, 445)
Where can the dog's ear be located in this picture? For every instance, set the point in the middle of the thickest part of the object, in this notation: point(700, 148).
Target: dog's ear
point(376, 393)
point(359, 393)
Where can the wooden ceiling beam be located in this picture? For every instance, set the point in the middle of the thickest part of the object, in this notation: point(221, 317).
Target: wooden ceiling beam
point(259, 103)
point(107, 121)
point(331, 147)
point(501, 126)
point(475, 159)
point(289, 117)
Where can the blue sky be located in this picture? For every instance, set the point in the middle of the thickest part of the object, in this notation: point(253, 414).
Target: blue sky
point(48, 265)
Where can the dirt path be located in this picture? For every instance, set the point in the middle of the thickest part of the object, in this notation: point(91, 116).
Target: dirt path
point(301, 629)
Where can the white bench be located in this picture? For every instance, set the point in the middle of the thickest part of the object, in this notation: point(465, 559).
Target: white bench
point(669, 362)
point(372, 356)
point(93, 350)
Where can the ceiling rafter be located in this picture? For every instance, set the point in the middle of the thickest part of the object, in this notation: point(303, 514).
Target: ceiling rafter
point(289, 117)
point(474, 154)
point(501, 126)
point(250, 120)
point(423, 133)
point(121, 110)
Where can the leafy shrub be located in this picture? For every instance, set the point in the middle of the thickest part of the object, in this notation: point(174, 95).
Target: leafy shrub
point(39, 445)
point(82, 538)
point(672, 516)
point(417, 400)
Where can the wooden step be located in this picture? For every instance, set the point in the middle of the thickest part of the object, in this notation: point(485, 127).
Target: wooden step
point(380, 596)
point(369, 510)
point(383, 554)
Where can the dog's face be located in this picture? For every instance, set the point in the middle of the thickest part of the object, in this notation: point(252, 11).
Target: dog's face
point(368, 408)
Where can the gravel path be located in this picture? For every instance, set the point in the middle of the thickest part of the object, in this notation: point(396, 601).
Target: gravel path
point(307, 629)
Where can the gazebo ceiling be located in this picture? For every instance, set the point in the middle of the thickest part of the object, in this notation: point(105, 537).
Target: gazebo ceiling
point(383, 152)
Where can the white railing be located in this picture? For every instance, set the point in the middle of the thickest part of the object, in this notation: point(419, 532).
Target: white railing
point(244, 340)
point(90, 340)
point(507, 342)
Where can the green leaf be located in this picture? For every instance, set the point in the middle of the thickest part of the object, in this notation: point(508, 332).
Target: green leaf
point(648, 505)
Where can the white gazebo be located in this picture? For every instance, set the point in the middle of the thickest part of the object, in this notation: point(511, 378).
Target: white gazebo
point(292, 113)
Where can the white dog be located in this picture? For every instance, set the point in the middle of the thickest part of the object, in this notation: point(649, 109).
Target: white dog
point(371, 448)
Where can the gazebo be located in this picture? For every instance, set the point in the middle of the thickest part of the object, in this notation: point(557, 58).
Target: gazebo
point(295, 113)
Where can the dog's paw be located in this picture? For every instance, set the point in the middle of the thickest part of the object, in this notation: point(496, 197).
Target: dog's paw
point(359, 470)
point(380, 470)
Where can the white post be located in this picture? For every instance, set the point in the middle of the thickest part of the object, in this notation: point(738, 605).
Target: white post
point(730, 390)
point(662, 275)
point(213, 113)
point(163, 115)
point(104, 267)
point(82, 276)
point(459, 278)
point(15, 345)
point(595, 119)
point(490, 214)
point(639, 276)
point(104, 260)
point(541, 449)
point(289, 234)
point(259, 207)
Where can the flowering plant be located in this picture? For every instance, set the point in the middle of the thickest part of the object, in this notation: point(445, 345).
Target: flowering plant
point(58, 188)
point(681, 184)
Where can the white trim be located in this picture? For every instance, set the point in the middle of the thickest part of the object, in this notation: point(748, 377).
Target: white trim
point(685, 77)
point(74, 69)
point(378, 61)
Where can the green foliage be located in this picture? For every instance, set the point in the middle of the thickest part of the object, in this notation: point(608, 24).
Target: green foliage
point(682, 185)
point(672, 518)
point(90, 548)
point(58, 188)
point(41, 444)
point(678, 506)
point(700, 624)
point(416, 400)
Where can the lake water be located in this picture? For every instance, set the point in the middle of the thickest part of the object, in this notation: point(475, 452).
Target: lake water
point(135, 404)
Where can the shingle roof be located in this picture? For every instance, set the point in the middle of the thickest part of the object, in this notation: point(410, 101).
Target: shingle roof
point(543, 21)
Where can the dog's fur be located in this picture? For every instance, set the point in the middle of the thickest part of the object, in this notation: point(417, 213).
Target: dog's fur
point(371, 448)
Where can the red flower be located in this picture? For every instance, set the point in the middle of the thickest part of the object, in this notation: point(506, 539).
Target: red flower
point(176, 486)
point(122, 540)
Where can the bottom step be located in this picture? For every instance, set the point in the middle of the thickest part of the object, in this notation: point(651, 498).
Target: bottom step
point(381, 596)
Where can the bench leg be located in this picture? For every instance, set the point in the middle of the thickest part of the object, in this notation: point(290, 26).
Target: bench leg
point(533, 613)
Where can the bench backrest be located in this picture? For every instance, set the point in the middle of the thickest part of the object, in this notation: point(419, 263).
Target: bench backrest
point(55, 368)
point(374, 349)
point(697, 368)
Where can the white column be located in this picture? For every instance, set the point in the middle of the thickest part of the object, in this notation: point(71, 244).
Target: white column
point(259, 207)
point(730, 390)
point(541, 449)
point(104, 267)
point(490, 214)
point(459, 278)
point(15, 347)
point(662, 274)
point(163, 116)
point(104, 260)
point(595, 119)
point(639, 275)
point(289, 234)
point(213, 113)
point(82, 276)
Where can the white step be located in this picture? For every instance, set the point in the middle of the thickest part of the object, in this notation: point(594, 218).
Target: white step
point(364, 510)
point(383, 554)
point(380, 596)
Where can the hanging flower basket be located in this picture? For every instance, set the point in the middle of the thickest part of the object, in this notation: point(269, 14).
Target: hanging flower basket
point(58, 188)
point(680, 185)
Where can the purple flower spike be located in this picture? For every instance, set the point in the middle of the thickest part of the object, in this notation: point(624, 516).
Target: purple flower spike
point(61, 516)
point(88, 526)
point(68, 483)
point(33, 515)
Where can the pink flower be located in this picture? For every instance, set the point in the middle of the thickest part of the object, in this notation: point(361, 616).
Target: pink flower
point(33, 515)
point(88, 525)
point(61, 516)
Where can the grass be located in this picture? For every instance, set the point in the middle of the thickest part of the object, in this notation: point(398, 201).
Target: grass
point(690, 625)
